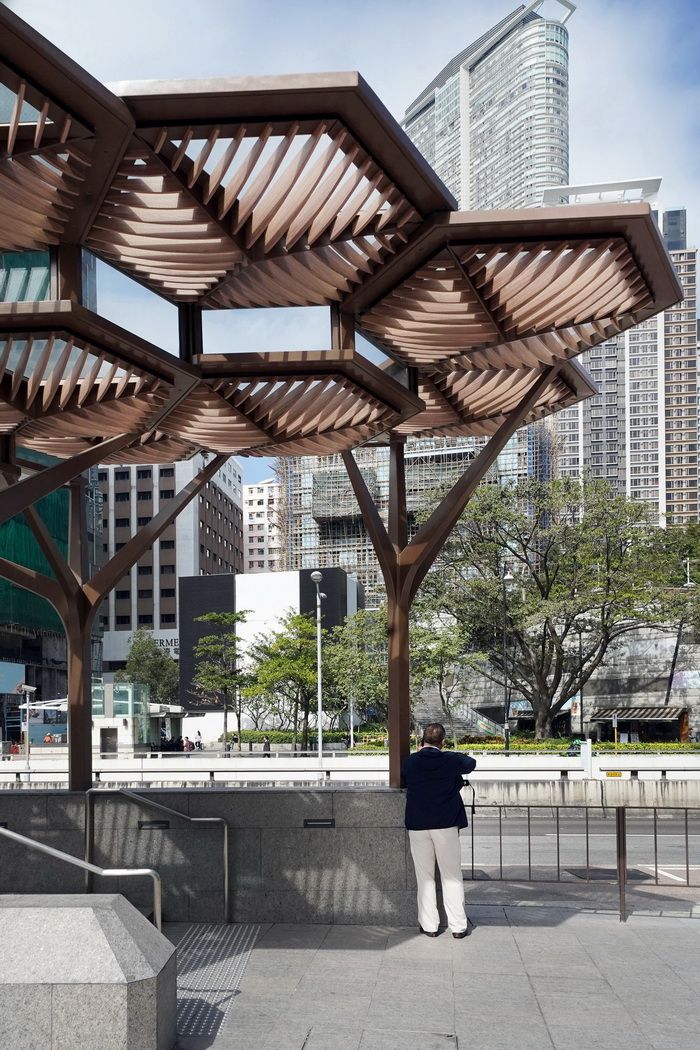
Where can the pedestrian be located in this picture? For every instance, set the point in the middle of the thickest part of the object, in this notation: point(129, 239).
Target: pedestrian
point(435, 814)
point(199, 745)
point(187, 745)
point(266, 747)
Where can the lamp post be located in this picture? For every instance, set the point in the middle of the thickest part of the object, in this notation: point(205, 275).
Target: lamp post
point(507, 578)
point(580, 686)
point(316, 578)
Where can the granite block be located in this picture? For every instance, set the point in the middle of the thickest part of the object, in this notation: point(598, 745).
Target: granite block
point(117, 811)
point(25, 1016)
point(65, 811)
point(23, 811)
point(245, 858)
point(369, 809)
point(89, 1016)
point(267, 808)
point(84, 972)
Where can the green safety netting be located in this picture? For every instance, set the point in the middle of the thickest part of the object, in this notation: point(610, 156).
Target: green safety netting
point(17, 543)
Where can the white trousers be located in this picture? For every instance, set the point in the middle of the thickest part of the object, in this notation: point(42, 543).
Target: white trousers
point(441, 844)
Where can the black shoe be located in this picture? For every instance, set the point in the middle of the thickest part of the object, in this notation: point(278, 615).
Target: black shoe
point(428, 933)
point(462, 933)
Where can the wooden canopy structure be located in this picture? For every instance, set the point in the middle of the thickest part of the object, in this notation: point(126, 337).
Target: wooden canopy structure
point(279, 191)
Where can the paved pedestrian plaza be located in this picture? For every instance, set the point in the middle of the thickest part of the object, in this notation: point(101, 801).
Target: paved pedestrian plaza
point(541, 973)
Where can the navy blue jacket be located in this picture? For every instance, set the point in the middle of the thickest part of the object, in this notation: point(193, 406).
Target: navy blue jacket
point(433, 780)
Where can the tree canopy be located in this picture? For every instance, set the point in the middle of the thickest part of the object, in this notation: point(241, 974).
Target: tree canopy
point(219, 673)
point(148, 663)
point(586, 568)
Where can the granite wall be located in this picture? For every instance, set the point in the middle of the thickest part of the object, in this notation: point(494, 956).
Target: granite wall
point(357, 871)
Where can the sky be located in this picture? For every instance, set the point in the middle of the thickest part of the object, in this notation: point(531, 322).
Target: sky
point(634, 97)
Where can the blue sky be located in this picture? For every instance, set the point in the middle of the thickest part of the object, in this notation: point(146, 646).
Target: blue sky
point(634, 95)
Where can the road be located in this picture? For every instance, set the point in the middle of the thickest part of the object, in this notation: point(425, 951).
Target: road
point(512, 852)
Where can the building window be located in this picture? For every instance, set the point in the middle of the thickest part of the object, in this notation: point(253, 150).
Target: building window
point(167, 570)
point(121, 497)
point(144, 496)
point(102, 475)
point(167, 618)
point(167, 592)
point(121, 523)
point(144, 570)
point(122, 621)
point(142, 521)
point(122, 475)
point(167, 472)
point(167, 493)
point(167, 545)
point(143, 472)
point(145, 592)
point(146, 620)
point(122, 594)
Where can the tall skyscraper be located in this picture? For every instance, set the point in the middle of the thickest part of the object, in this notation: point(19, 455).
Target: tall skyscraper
point(494, 123)
point(641, 430)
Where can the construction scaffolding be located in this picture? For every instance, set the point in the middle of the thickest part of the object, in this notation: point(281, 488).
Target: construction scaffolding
point(319, 520)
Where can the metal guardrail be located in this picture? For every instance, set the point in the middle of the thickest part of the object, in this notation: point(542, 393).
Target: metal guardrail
point(621, 843)
point(93, 869)
point(139, 799)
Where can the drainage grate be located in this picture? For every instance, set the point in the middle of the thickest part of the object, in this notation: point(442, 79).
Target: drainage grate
point(211, 961)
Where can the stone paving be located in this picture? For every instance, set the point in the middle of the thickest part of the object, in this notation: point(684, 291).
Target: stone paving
point(530, 976)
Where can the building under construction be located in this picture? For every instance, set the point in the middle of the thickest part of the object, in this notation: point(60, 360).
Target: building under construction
point(319, 519)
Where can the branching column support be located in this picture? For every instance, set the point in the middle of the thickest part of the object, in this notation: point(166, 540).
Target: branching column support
point(404, 564)
point(77, 597)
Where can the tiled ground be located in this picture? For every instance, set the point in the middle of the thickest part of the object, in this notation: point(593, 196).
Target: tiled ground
point(528, 978)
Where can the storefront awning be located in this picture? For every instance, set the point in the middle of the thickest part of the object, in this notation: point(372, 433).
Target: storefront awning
point(638, 714)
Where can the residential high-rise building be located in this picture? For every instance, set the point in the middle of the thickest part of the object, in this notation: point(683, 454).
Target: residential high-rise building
point(494, 123)
point(641, 430)
point(261, 534)
point(206, 538)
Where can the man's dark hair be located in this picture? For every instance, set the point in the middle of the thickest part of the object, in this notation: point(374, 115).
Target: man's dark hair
point(434, 733)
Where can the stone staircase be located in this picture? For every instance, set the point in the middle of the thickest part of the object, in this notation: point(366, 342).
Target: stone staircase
point(467, 720)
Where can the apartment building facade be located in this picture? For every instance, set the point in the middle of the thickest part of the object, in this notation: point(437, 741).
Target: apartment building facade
point(261, 526)
point(205, 539)
point(641, 430)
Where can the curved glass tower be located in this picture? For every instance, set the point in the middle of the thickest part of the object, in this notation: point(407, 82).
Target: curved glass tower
point(494, 123)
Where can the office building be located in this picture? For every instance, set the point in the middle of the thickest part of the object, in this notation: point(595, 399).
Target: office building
point(261, 534)
point(205, 539)
point(494, 123)
point(641, 430)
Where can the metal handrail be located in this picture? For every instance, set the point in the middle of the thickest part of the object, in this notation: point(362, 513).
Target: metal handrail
point(89, 831)
point(93, 869)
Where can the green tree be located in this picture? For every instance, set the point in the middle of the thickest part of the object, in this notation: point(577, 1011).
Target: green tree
point(148, 663)
point(588, 568)
point(219, 673)
point(440, 657)
point(355, 665)
point(283, 669)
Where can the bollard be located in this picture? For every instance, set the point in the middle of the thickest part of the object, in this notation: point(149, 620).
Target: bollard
point(621, 844)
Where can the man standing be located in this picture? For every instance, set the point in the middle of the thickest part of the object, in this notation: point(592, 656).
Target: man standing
point(435, 814)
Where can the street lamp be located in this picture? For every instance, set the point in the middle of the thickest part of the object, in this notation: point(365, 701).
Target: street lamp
point(316, 578)
point(507, 578)
point(688, 581)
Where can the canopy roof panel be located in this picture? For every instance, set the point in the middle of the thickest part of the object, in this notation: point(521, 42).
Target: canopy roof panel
point(69, 378)
point(286, 191)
